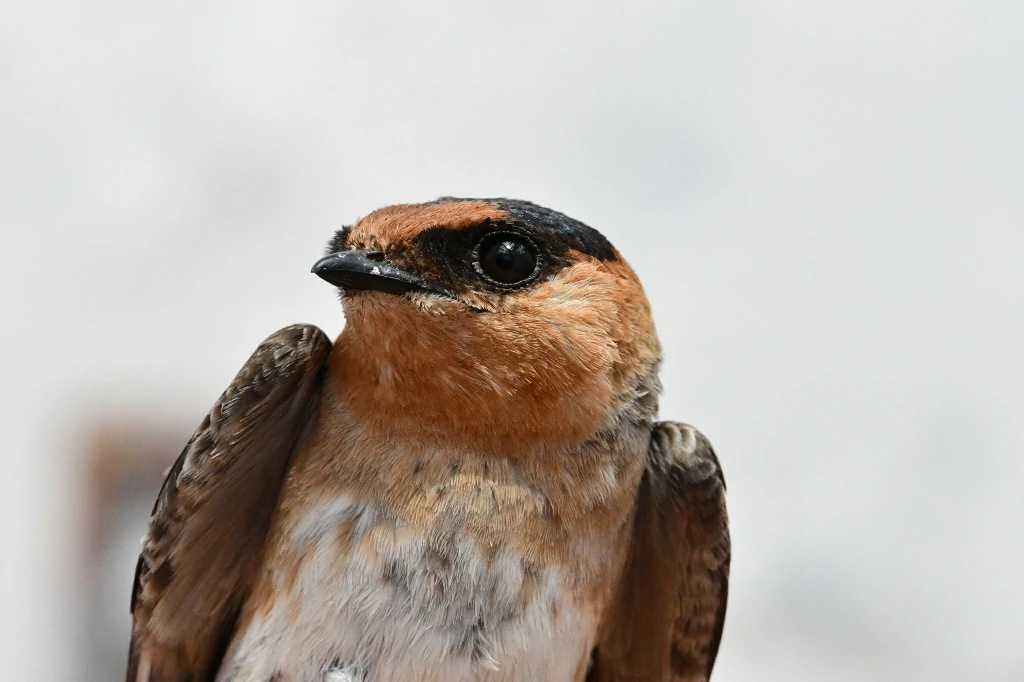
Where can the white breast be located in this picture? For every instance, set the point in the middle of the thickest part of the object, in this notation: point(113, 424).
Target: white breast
point(372, 601)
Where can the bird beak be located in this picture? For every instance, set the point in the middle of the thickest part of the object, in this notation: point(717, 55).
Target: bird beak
point(367, 270)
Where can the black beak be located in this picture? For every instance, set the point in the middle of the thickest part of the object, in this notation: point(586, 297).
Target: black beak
point(367, 270)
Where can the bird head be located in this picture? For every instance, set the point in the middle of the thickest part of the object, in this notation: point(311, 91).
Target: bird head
point(488, 322)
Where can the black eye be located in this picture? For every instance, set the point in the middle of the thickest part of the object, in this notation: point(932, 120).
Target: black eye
point(506, 259)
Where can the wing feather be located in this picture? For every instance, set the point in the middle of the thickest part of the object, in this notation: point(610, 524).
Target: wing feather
point(209, 523)
point(666, 622)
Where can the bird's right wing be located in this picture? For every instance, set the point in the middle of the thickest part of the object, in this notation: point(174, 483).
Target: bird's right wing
point(210, 520)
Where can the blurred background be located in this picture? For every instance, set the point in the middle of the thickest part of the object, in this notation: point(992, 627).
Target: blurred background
point(823, 200)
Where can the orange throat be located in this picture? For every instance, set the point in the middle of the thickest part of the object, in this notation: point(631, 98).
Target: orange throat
point(447, 378)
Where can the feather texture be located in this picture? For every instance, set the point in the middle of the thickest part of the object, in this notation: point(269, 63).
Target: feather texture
point(208, 526)
point(666, 622)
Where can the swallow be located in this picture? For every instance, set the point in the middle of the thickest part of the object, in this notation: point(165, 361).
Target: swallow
point(469, 483)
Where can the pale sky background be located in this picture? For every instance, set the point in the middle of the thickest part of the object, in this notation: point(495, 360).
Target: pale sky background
point(823, 199)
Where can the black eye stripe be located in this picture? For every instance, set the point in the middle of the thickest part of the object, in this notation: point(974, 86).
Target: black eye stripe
point(449, 257)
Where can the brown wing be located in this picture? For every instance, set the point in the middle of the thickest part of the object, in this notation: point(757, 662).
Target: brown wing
point(666, 621)
point(210, 520)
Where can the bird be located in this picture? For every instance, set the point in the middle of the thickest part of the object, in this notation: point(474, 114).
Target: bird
point(469, 483)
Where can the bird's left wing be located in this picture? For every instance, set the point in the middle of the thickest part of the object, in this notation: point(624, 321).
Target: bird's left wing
point(666, 621)
point(208, 526)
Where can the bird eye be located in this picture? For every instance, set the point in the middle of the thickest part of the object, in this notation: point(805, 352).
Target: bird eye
point(506, 259)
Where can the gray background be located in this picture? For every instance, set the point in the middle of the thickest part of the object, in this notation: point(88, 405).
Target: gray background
point(822, 198)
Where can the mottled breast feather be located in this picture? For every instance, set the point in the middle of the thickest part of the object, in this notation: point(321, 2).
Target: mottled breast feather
point(209, 524)
point(666, 623)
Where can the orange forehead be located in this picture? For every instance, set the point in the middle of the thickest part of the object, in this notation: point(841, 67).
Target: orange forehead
point(401, 223)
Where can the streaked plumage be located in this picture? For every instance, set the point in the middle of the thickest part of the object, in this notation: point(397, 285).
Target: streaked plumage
point(469, 484)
